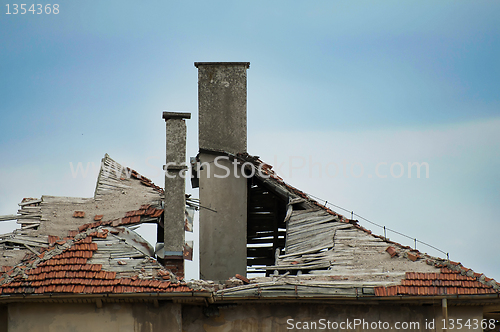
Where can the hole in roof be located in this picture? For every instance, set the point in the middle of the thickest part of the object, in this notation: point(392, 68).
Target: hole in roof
point(148, 233)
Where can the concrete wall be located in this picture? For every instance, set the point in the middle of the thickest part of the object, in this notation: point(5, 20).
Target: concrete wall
point(123, 317)
point(141, 317)
point(462, 312)
point(4, 318)
point(285, 317)
point(223, 234)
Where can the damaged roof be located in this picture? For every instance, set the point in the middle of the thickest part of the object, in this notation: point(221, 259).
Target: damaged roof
point(85, 246)
point(95, 260)
point(337, 257)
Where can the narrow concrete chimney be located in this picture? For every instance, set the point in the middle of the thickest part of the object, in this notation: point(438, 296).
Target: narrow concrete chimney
point(175, 199)
point(222, 102)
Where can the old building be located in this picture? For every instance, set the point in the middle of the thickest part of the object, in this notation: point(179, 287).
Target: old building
point(76, 264)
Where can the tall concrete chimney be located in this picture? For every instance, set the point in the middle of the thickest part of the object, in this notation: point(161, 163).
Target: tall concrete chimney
point(175, 199)
point(222, 107)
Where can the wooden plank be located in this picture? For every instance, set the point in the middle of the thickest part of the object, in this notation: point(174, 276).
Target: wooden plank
point(9, 217)
point(55, 200)
point(110, 175)
point(42, 239)
point(30, 202)
point(115, 184)
point(296, 200)
point(259, 261)
point(31, 249)
point(310, 250)
point(258, 234)
point(23, 242)
point(320, 237)
point(127, 255)
point(281, 241)
point(312, 209)
point(311, 220)
point(312, 242)
point(260, 252)
point(29, 216)
point(27, 222)
point(311, 233)
point(289, 211)
point(262, 239)
point(31, 208)
point(295, 267)
point(325, 242)
point(316, 226)
point(24, 226)
point(299, 215)
point(246, 287)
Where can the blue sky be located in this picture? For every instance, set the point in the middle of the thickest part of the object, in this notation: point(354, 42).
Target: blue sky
point(330, 81)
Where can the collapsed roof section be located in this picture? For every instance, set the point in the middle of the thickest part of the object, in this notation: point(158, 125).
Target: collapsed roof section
point(86, 245)
point(331, 255)
point(115, 178)
point(118, 191)
point(95, 260)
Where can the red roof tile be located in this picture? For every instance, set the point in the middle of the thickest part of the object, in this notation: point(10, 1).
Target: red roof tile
point(157, 213)
point(448, 281)
point(392, 251)
point(70, 272)
point(412, 257)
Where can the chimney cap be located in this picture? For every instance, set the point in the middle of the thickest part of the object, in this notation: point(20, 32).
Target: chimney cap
point(176, 115)
point(246, 64)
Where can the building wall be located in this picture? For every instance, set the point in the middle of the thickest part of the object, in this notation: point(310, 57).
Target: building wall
point(285, 317)
point(141, 317)
point(123, 317)
point(4, 318)
point(462, 312)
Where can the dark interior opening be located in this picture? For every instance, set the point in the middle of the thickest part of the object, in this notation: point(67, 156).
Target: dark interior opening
point(266, 229)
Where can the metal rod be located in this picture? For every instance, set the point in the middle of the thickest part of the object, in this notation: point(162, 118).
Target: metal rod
point(209, 209)
point(378, 225)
